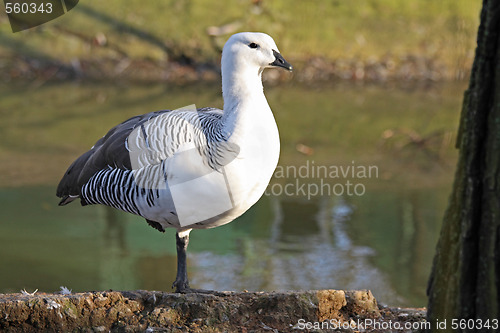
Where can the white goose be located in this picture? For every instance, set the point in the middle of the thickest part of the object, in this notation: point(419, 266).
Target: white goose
point(189, 169)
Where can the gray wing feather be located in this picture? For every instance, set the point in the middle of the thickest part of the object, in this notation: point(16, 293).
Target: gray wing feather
point(108, 150)
point(159, 135)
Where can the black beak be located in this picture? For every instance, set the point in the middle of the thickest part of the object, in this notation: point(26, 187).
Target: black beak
point(280, 61)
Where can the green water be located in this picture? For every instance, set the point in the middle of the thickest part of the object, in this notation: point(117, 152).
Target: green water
point(378, 234)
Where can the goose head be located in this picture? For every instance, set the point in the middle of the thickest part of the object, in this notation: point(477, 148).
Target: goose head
point(252, 51)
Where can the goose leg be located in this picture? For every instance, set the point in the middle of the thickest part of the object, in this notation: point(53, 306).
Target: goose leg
point(181, 283)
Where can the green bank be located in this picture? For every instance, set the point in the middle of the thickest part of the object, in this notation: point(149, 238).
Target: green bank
point(363, 31)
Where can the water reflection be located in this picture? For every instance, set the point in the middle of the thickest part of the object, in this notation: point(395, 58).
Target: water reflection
point(311, 246)
point(281, 244)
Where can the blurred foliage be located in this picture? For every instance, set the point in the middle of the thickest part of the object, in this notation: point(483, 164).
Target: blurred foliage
point(368, 30)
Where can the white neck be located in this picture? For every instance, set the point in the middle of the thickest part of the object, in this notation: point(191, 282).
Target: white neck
point(241, 86)
point(243, 95)
point(248, 122)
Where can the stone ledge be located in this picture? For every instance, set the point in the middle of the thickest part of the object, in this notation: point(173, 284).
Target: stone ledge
point(156, 311)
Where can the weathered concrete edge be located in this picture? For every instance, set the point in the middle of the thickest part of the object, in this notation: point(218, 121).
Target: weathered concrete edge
point(139, 310)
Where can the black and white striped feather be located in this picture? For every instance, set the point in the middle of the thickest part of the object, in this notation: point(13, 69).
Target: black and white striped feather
point(107, 175)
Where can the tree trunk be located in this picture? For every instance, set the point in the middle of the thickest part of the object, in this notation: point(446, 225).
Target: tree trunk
point(465, 279)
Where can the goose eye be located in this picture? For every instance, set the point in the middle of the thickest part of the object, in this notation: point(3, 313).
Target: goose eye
point(253, 45)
